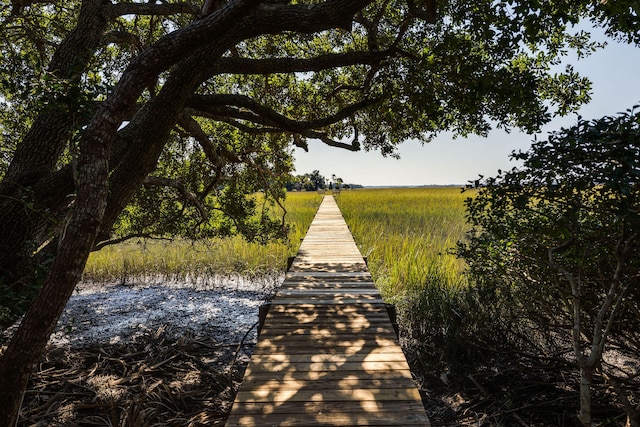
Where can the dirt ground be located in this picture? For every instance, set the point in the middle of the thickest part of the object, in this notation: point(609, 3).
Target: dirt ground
point(174, 354)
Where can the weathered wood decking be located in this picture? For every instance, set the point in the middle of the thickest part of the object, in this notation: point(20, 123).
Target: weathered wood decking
point(327, 353)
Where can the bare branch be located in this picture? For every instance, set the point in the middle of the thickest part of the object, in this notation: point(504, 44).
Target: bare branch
point(193, 128)
point(575, 291)
point(614, 297)
point(300, 142)
point(122, 239)
point(214, 155)
point(122, 37)
point(272, 121)
point(17, 6)
point(354, 145)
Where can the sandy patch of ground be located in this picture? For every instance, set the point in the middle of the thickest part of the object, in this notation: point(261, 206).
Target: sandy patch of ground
point(110, 314)
point(147, 354)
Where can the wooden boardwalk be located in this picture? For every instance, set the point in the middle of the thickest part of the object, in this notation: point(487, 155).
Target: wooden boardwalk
point(327, 353)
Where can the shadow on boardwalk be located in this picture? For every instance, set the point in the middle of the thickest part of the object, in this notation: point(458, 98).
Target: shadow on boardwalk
point(328, 353)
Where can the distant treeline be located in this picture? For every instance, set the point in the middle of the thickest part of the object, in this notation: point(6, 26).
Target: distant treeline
point(315, 181)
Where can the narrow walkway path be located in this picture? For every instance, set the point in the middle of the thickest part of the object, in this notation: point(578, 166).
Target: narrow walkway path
point(327, 353)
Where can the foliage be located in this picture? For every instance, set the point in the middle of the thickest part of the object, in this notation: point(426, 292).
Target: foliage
point(555, 247)
point(101, 101)
point(206, 129)
point(621, 19)
point(13, 304)
point(205, 259)
point(309, 182)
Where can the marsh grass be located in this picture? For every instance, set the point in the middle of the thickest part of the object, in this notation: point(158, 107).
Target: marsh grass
point(179, 259)
point(408, 234)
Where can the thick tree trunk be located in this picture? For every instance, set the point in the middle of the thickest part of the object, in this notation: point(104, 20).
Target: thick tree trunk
point(148, 133)
point(205, 40)
point(26, 222)
point(77, 238)
point(25, 217)
point(29, 342)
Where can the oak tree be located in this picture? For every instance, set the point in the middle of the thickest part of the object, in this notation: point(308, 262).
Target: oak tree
point(108, 105)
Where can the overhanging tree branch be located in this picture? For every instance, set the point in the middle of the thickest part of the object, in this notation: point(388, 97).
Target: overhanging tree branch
point(298, 142)
point(232, 65)
point(217, 156)
point(193, 128)
point(218, 106)
point(354, 145)
point(123, 239)
point(187, 195)
point(120, 9)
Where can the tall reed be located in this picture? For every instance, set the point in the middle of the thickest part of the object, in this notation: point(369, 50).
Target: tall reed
point(407, 235)
point(179, 259)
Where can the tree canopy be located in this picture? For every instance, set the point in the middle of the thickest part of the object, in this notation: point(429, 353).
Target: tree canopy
point(122, 118)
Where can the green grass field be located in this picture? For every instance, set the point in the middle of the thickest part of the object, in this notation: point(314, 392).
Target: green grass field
point(180, 259)
point(407, 235)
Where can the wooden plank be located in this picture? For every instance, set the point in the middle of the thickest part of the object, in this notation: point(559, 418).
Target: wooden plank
point(331, 395)
point(320, 293)
point(380, 418)
point(325, 320)
point(392, 354)
point(327, 286)
point(355, 323)
point(312, 376)
point(313, 308)
point(400, 406)
point(294, 346)
point(322, 343)
point(371, 416)
point(347, 382)
point(327, 353)
point(325, 311)
point(325, 301)
point(322, 419)
point(327, 335)
point(306, 320)
point(328, 299)
point(328, 275)
point(386, 365)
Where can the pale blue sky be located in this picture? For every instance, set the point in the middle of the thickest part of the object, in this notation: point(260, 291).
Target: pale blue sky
point(613, 70)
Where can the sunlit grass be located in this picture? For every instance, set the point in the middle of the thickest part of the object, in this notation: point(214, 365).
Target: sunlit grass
point(186, 260)
point(407, 235)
